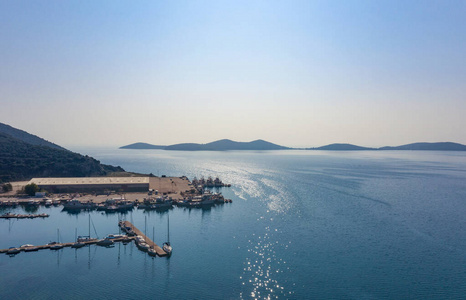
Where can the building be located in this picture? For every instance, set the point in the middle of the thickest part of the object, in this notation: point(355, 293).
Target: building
point(92, 184)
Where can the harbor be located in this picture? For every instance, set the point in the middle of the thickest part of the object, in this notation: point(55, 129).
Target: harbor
point(115, 194)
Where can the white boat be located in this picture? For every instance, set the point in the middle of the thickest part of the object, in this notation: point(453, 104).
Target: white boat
point(143, 246)
point(105, 242)
point(139, 239)
point(152, 252)
point(125, 205)
point(76, 204)
point(33, 203)
point(115, 236)
point(77, 244)
point(166, 246)
point(48, 202)
point(86, 238)
point(56, 245)
point(13, 251)
point(30, 248)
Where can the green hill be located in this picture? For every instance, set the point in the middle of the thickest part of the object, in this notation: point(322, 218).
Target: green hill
point(20, 160)
point(27, 137)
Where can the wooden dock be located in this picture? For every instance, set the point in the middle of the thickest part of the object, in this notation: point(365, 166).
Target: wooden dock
point(157, 248)
point(19, 216)
point(93, 241)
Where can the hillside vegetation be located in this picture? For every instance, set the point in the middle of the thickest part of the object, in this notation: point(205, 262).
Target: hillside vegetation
point(20, 160)
point(27, 137)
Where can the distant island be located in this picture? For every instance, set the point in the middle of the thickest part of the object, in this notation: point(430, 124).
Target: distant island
point(24, 156)
point(228, 145)
point(341, 147)
point(221, 145)
point(443, 146)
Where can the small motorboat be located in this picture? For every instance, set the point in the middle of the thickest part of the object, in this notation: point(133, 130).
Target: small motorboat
point(78, 245)
point(143, 246)
point(167, 248)
point(115, 236)
point(32, 248)
point(13, 251)
point(56, 245)
point(152, 252)
point(105, 242)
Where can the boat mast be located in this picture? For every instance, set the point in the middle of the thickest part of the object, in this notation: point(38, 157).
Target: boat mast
point(89, 225)
point(168, 217)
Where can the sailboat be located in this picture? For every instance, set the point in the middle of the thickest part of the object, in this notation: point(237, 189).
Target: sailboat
point(166, 246)
point(77, 244)
point(56, 245)
point(83, 239)
point(151, 251)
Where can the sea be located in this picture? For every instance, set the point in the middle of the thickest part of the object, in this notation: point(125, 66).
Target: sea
point(301, 225)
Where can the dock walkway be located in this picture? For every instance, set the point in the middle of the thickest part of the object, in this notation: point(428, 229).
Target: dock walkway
point(19, 216)
point(152, 244)
point(93, 241)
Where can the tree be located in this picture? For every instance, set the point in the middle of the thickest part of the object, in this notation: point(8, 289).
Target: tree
point(31, 189)
point(7, 187)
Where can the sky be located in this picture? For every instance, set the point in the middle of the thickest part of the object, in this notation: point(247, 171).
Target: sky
point(296, 73)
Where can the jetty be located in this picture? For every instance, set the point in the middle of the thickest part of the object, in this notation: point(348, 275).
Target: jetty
point(129, 228)
point(42, 247)
point(20, 216)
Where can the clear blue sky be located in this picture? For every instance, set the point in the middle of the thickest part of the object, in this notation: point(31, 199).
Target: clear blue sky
point(297, 73)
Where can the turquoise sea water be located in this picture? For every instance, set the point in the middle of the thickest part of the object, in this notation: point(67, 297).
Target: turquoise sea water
point(302, 225)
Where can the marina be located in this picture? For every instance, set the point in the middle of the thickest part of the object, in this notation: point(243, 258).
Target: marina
point(143, 242)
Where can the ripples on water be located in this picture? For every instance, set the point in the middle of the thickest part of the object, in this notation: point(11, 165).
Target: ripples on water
point(353, 225)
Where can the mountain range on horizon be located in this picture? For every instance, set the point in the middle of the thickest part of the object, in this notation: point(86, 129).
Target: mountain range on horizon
point(228, 145)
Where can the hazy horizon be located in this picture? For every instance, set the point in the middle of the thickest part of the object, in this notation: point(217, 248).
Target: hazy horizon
point(294, 73)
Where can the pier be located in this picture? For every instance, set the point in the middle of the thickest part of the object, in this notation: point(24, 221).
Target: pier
point(19, 216)
point(42, 247)
point(126, 224)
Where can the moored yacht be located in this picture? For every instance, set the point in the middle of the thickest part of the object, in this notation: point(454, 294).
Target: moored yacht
point(105, 242)
point(166, 246)
point(76, 204)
